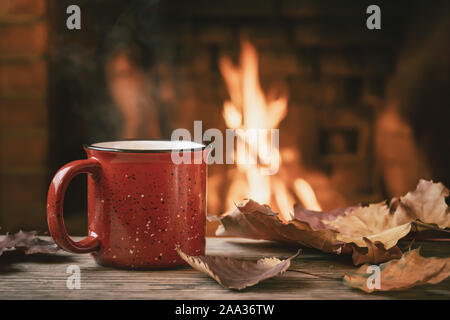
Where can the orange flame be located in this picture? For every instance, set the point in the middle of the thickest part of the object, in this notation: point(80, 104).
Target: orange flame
point(249, 108)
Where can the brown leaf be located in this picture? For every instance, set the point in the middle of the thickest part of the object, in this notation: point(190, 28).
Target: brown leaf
point(410, 270)
point(256, 221)
point(251, 220)
point(374, 222)
point(316, 219)
point(27, 242)
point(370, 233)
point(237, 274)
point(386, 224)
point(373, 253)
point(426, 203)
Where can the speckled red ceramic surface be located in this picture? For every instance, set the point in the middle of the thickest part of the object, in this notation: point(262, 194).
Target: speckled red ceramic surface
point(140, 206)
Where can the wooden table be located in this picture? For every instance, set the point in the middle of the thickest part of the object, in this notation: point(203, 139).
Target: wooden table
point(44, 277)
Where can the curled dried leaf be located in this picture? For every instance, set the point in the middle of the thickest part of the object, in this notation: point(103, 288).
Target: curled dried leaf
point(410, 270)
point(373, 253)
point(316, 219)
point(386, 224)
point(426, 203)
point(370, 233)
point(374, 222)
point(253, 220)
point(237, 274)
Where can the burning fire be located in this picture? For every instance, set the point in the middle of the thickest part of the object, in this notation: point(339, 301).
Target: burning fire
point(250, 108)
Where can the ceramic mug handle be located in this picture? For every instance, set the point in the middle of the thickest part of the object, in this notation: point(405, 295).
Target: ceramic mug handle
point(55, 204)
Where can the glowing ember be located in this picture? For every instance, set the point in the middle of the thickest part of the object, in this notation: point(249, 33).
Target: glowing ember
point(249, 108)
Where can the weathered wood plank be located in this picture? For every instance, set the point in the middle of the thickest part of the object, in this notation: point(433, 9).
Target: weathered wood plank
point(44, 277)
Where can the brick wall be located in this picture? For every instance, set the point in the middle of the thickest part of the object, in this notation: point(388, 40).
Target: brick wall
point(23, 114)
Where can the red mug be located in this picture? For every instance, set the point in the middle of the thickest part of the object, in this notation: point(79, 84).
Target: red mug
point(141, 203)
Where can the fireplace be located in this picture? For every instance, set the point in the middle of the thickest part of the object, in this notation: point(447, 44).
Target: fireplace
point(140, 69)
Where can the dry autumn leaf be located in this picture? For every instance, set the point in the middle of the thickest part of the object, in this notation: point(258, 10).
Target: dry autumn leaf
point(28, 242)
point(387, 224)
point(373, 253)
point(369, 233)
point(316, 219)
point(410, 270)
point(384, 225)
point(427, 204)
point(253, 220)
point(237, 274)
point(256, 221)
point(374, 222)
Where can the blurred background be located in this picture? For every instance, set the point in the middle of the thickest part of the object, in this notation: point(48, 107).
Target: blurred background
point(365, 113)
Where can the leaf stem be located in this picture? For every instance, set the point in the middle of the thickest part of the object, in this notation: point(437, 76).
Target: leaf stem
point(315, 275)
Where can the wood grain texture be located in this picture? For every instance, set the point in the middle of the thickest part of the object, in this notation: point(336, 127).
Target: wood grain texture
point(44, 277)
